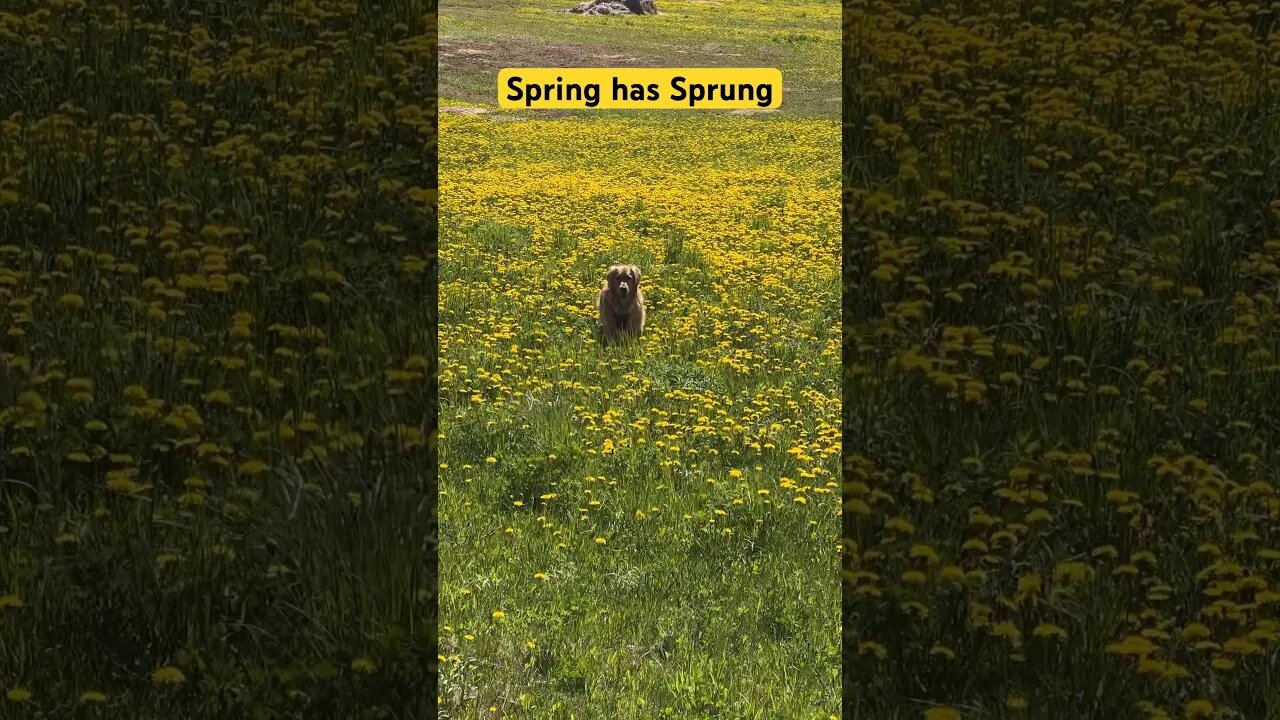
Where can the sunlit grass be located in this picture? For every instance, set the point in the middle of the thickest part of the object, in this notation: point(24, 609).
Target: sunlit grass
point(647, 531)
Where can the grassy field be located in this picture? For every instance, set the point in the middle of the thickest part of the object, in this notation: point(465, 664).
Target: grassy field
point(652, 530)
point(800, 38)
point(216, 339)
point(1062, 250)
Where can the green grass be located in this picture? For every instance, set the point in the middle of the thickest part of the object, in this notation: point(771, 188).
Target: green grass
point(659, 621)
point(661, 448)
point(801, 39)
point(704, 455)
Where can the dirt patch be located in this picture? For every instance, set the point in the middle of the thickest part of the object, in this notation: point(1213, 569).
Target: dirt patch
point(463, 110)
point(707, 50)
point(752, 111)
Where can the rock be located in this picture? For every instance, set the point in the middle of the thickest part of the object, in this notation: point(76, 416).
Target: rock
point(616, 7)
point(642, 7)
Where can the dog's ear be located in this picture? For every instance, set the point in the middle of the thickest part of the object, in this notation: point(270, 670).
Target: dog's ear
point(635, 273)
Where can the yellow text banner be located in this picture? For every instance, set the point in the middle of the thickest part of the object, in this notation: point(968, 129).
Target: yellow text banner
point(639, 88)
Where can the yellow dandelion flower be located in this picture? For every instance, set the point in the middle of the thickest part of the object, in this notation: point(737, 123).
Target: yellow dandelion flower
point(253, 467)
point(18, 694)
point(942, 651)
point(873, 648)
point(168, 675)
point(1198, 709)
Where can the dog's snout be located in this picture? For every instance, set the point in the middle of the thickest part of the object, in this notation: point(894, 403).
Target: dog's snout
point(624, 289)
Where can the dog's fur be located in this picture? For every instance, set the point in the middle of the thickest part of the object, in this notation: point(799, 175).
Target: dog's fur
point(621, 304)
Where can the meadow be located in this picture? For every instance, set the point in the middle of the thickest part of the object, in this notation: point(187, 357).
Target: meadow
point(800, 37)
point(648, 530)
point(216, 360)
point(1062, 246)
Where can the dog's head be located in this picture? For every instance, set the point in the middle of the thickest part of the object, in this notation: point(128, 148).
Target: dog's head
point(623, 280)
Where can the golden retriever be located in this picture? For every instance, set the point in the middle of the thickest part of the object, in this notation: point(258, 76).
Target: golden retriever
point(621, 304)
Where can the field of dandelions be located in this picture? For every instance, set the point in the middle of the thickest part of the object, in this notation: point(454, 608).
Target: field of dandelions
point(215, 350)
point(645, 526)
point(649, 530)
point(1062, 416)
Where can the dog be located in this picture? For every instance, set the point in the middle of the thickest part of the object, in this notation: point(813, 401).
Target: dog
point(621, 304)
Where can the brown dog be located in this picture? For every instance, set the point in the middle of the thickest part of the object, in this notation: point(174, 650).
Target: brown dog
point(621, 304)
